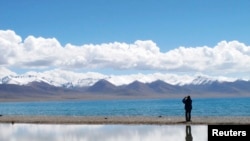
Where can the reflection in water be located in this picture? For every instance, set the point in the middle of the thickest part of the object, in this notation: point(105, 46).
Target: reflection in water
point(55, 132)
point(188, 133)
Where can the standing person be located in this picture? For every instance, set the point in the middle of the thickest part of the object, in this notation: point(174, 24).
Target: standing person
point(188, 107)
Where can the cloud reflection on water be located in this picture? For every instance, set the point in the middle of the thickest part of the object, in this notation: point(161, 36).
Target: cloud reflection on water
point(45, 132)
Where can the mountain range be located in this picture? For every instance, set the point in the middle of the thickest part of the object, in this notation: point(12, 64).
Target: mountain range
point(32, 87)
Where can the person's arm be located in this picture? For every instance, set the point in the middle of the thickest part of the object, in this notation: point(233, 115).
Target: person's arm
point(184, 100)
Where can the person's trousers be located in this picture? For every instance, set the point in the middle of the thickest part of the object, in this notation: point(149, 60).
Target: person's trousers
point(188, 115)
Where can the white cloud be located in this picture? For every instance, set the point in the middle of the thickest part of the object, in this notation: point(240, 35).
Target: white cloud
point(5, 72)
point(39, 52)
point(9, 45)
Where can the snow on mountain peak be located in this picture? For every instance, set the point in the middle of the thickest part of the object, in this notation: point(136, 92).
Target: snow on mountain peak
point(203, 79)
point(64, 78)
point(21, 79)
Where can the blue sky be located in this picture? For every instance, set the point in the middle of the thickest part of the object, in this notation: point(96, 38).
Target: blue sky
point(167, 23)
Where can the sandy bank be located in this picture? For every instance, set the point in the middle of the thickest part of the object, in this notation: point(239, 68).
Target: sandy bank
point(122, 120)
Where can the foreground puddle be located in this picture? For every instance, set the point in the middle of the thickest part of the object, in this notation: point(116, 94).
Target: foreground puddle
point(55, 132)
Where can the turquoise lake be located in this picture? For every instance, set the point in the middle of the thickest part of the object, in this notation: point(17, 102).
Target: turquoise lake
point(151, 107)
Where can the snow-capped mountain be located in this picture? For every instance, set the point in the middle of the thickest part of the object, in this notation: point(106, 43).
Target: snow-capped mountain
point(26, 79)
point(69, 79)
point(201, 80)
point(61, 84)
point(58, 78)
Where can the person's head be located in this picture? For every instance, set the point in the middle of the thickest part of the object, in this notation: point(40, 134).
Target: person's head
point(188, 97)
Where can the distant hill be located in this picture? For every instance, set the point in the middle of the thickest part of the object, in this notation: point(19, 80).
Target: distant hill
point(103, 89)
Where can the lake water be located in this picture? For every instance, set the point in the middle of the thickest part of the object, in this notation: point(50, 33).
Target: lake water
point(152, 107)
point(47, 132)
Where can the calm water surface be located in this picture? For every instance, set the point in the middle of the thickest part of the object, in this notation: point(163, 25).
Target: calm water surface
point(155, 107)
point(46, 132)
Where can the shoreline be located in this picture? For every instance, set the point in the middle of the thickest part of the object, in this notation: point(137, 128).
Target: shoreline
point(164, 120)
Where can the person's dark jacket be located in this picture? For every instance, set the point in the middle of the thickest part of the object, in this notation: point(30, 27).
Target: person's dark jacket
point(188, 103)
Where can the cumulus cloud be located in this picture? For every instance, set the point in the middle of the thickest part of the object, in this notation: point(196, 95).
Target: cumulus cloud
point(39, 52)
point(9, 45)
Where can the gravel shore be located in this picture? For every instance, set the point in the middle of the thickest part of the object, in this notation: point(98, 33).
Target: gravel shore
point(122, 120)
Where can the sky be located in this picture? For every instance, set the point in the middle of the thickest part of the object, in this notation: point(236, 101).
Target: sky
point(126, 36)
